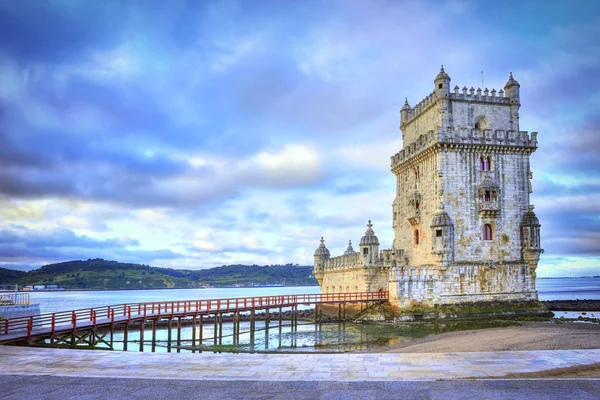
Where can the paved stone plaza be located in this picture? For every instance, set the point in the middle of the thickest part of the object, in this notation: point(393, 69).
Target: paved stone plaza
point(39, 373)
point(293, 367)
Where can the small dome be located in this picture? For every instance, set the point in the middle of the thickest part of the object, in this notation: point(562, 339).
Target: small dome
point(406, 106)
point(530, 218)
point(322, 250)
point(441, 219)
point(442, 75)
point(349, 250)
point(369, 237)
point(511, 82)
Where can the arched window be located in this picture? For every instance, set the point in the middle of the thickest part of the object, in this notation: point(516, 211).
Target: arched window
point(417, 204)
point(487, 232)
point(486, 196)
point(417, 173)
point(416, 236)
point(485, 163)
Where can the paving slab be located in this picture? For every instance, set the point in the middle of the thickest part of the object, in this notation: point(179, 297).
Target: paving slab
point(58, 387)
point(285, 367)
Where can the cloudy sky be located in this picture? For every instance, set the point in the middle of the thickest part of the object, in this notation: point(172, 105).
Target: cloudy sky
point(192, 134)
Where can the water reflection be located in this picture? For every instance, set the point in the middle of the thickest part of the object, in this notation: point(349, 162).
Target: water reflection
point(305, 337)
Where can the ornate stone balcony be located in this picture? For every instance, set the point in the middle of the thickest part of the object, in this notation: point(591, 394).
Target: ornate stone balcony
point(415, 218)
point(489, 208)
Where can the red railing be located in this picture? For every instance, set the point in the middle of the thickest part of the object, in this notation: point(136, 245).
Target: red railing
point(64, 320)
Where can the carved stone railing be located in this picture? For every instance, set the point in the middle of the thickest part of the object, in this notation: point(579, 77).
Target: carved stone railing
point(489, 208)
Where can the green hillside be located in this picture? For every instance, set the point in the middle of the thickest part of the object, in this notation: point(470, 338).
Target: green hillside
point(103, 274)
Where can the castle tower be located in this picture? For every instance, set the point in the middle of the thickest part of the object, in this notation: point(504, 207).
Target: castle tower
point(369, 246)
point(462, 192)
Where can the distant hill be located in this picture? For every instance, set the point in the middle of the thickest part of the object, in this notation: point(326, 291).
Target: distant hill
point(104, 274)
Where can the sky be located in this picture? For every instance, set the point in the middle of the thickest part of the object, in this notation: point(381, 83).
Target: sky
point(193, 134)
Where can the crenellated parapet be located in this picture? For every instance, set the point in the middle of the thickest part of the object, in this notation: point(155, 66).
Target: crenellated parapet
point(409, 114)
point(465, 136)
point(479, 96)
point(422, 106)
point(345, 261)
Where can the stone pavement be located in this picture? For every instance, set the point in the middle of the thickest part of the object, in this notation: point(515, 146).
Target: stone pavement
point(291, 367)
point(61, 387)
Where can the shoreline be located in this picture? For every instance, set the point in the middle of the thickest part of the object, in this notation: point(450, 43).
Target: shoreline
point(138, 289)
point(528, 336)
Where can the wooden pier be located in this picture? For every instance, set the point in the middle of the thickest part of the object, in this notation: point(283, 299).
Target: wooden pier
point(96, 327)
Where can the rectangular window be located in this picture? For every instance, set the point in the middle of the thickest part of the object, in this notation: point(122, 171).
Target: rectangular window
point(438, 233)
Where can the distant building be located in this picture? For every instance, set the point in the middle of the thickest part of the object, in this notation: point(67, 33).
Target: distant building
point(464, 227)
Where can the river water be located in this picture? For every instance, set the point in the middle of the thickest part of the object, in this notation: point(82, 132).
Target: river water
point(307, 337)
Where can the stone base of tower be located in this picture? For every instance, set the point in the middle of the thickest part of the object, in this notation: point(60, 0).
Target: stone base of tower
point(464, 291)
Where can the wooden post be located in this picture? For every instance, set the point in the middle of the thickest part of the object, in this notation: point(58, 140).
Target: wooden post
point(201, 332)
point(169, 334)
point(154, 321)
point(178, 332)
point(112, 334)
point(142, 323)
point(339, 311)
point(252, 324)
point(125, 335)
point(267, 315)
point(215, 330)
point(194, 334)
point(220, 328)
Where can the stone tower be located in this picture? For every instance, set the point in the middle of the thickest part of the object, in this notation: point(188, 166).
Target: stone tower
point(461, 217)
point(464, 228)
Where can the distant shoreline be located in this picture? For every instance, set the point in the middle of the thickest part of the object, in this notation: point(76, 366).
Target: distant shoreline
point(135, 289)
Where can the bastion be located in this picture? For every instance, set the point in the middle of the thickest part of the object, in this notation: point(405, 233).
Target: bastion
point(466, 238)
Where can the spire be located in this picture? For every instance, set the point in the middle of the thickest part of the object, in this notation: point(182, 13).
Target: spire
point(406, 106)
point(369, 237)
point(511, 82)
point(442, 75)
point(322, 250)
point(369, 231)
point(349, 250)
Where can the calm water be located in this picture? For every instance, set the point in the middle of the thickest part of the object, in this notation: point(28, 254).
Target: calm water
point(67, 300)
point(569, 289)
point(548, 289)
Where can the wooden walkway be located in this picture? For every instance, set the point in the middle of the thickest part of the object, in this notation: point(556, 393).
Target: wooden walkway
point(89, 327)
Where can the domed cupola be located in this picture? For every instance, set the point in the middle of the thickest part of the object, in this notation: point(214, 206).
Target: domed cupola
point(442, 83)
point(369, 237)
point(349, 250)
point(322, 250)
point(321, 256)
point(441, 219)
point(511, 89)
point(369, 246)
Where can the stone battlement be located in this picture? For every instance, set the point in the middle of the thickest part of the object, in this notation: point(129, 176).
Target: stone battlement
point(470, 95)
point(462, 135)
point(345, 261)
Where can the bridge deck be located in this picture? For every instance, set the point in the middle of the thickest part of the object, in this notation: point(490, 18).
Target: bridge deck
point(45, 325)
